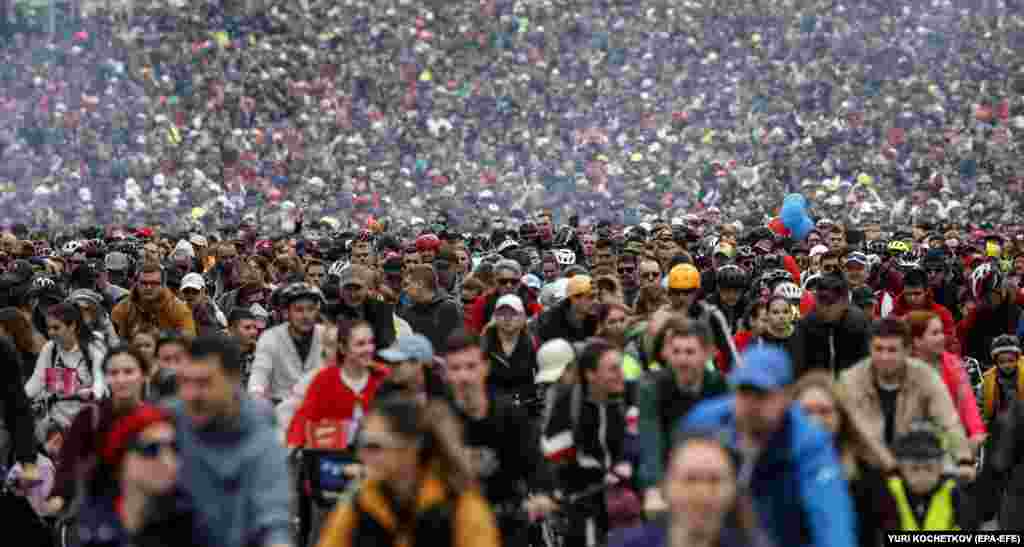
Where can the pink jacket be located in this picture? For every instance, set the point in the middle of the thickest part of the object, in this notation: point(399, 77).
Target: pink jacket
point(960, 390)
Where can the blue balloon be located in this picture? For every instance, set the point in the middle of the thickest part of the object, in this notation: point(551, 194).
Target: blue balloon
point(802, 228)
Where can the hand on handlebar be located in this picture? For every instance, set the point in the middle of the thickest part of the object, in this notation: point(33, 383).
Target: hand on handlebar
point(540, 506)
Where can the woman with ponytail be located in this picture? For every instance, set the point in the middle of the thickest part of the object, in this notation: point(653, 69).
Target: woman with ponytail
point(420, 488)
point(72, 347)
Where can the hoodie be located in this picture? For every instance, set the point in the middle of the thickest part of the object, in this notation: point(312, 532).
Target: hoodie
point(435, 320)
point(236, 473)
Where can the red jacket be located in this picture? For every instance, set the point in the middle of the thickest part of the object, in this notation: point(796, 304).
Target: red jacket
point(901, 309)
point(328, 398)
point(962, 393)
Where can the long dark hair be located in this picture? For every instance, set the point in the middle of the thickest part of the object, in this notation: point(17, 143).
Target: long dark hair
point(68, 313)
point(434, 426)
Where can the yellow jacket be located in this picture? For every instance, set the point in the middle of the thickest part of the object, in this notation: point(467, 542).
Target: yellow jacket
point(440, 521)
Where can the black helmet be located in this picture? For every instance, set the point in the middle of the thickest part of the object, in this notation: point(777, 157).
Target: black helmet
point(731, 276)
point(297, 291)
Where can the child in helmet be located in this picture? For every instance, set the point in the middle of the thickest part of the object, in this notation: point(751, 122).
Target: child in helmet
point(926, 498)
point(1001, 384)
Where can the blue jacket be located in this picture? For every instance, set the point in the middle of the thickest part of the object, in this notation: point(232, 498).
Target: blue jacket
point(237, 477)
point(797, 484)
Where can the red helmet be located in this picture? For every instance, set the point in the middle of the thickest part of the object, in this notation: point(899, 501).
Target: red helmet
point(427, 242)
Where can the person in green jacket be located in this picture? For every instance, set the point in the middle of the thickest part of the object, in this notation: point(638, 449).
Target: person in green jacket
point(665, 396)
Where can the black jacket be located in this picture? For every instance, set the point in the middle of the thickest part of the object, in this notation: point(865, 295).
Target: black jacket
point(555, 323)
point(510, 373)
point(436, 320)
point(831, 346)
point(16, 412)
point(379, 314)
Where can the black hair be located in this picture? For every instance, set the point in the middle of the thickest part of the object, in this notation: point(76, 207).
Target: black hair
point(890, 327)
point(67, 313)
point(590, 357)
point(240, 314)
point(217, 345)
point(461, 340)
point(170, 337)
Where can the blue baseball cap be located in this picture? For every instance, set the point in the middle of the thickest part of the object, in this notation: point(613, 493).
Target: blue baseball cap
point(410, 347)
point(763, 367)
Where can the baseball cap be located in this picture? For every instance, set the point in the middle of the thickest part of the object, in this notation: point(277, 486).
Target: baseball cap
point(531, 281)
point(116, 261)
point(193, 281)
point(764, 367)
point(935, 257)
point(409, 347)
point(197, 240)
point(684, 276)
point(511, 301)
point(552, 359)
point(578, 285)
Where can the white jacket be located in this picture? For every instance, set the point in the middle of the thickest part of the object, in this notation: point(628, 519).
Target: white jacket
point(36, 385)
point(276, 366)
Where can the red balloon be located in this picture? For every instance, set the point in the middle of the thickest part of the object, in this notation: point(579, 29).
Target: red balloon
point(778, 227)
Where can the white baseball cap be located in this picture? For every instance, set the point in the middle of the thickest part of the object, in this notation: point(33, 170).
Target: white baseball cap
point(511, 301)
point(193, 281)
point(552, 359)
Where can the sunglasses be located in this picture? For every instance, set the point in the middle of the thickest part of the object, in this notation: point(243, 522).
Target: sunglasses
point(650, 276)
point(151, 450)
point(627, 271)
point(507, 316)
point(508, 282)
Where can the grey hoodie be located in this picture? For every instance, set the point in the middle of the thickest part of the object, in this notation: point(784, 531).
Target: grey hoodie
point(238, 476)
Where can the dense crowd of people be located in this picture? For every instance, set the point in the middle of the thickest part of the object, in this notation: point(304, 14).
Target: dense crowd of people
point(510, 273)
point(650, 391)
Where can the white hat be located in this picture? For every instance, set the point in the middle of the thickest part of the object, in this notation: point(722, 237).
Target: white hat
point(197, 240)
point(193, 281)
point(818, 250)
point(184, 247)
point(553, 357)
point(511, 301)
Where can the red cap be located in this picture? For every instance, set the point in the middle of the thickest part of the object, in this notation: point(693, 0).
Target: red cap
point(144, 232)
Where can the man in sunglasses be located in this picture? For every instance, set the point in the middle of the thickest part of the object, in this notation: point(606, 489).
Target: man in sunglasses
point(684, 284)
point(835, 335)
point(629, 276)
point(650, 273)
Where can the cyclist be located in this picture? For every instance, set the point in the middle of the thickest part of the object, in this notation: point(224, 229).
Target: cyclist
point(288, 351)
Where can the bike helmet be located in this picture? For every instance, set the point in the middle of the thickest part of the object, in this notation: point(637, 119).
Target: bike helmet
point(878, 247)
point(427, 242)
point(337, 269)
point(565, 257)
point(297, 291)
point(70, 248)
point(731, 276)
point(897, 247)
point(790, 291)
point(508, 245)
point(1005, 343)
point(984, 279)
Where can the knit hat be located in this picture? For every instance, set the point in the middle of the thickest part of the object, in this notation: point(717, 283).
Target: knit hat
point(126, 428)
